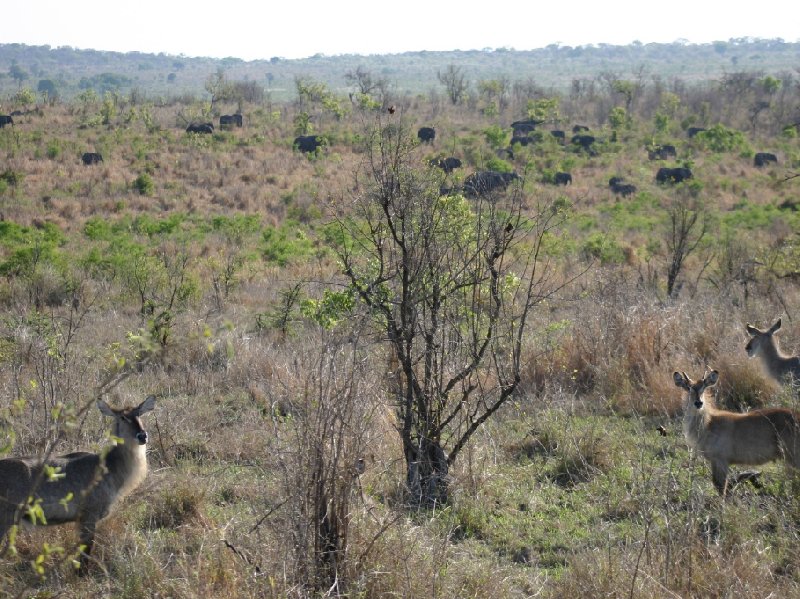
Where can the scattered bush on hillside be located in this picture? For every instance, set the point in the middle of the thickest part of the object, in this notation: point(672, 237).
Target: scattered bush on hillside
point(144, 184)
point(720, 138)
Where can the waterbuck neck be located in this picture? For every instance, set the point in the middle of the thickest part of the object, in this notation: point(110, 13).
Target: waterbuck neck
point(778, 364)
point(695, 422)
point(127, 465)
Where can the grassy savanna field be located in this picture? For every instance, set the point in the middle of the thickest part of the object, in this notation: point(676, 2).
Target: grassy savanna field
point(195, 267)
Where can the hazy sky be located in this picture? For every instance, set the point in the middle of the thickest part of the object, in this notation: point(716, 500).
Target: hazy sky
point(301, 28)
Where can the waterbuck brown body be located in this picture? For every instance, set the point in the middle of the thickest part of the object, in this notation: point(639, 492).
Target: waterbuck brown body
point(725, 438)
point(764, 345)
point(86, 485)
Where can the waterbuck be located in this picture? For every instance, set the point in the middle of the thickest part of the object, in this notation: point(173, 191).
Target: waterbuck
point(764, 344)
point(724, 438)
point(85, 485)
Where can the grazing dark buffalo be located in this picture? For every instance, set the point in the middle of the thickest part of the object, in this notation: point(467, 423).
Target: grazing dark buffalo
point(662, 152)
point(584, 141)
point(763, 158)
point(673, 175)
point(618, 186)
point(426, 134)
point(692, 131)
point(579, 128)
point(308, 143)
point(448, 165)
point(230, 120)
point(522, 140)
point(624, 189)
point(5, 120)
point(91, 158)
point(525, 126)
point(200, 128)
point(522, 128)
point(485, 182)
point(559, 135)
point(533, 122)
point(615, 181)
point(562, 179)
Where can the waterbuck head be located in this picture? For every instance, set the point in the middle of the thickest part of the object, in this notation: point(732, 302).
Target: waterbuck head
point(760, 339)
point(695, 389)
point(127, 425)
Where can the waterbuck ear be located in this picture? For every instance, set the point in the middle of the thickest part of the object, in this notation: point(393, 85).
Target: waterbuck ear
point(147, 405)
point(105, 409)
point(711, 378)
point(751, 330)
point(681, 380)
point(775, 327)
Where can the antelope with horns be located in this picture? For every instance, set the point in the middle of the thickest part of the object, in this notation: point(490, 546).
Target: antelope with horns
point(725, 438)
point(764, 344)
point(86, 485)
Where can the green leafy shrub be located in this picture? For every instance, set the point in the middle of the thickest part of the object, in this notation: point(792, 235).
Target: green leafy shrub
point(150, 226)
point(604, 248)
point(144, 184)
point(748, 215)
point(618, 118)
point(12, 177)
point(53, 149)
point(548, 176)
point(720, 138)
point(332, 308)
point(286, 243)
point(495, 136)
point(97, 229)
point(498, 164)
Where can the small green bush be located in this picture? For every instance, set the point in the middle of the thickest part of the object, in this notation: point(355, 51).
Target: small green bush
point(495, 136)
point(604, 248)
point(285, 244)
point(53, 149)
point(722, 139)
point(499, 165)
point(11, 177)
point(144, 184)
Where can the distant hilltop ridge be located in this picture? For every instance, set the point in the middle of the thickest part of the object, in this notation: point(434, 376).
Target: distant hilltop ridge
point(72, 70)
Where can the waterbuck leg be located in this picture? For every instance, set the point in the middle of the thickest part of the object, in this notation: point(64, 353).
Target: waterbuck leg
point(719, 474)
point(87, 528)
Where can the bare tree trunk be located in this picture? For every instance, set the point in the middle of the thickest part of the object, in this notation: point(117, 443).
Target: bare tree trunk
point(427, 474)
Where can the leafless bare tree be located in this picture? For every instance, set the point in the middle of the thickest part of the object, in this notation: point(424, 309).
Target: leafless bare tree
point(451, 285)
point(689, 224)
point(455, 82)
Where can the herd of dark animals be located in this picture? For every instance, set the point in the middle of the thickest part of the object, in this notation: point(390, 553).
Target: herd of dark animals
point(524, 132)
